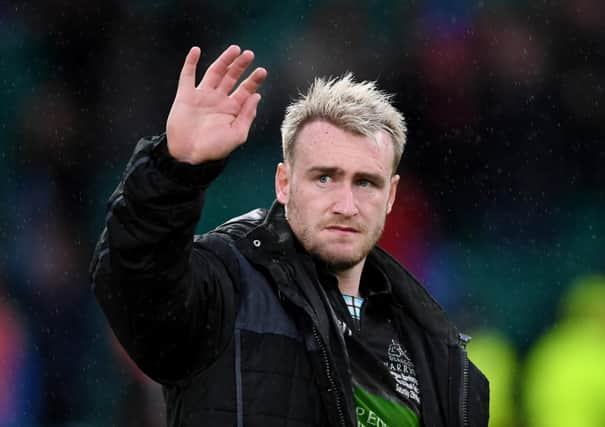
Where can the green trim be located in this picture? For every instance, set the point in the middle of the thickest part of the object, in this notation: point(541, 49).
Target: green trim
point(375, 411)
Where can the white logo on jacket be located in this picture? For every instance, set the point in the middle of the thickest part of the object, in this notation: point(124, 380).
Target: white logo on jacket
point(402, 369)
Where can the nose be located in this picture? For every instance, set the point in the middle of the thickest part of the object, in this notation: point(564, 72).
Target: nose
point(345, 203)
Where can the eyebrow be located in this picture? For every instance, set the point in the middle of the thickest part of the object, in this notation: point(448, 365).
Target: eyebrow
point(328, 170)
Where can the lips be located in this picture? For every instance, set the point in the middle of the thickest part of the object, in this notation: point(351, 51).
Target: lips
point(342, 229)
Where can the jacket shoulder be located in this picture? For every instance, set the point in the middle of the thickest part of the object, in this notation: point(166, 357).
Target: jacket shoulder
point(238, 227)
point(221, 240)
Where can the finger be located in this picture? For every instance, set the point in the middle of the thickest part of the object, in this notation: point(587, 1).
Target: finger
point(249, 86)
point(187, 77)
point(244, 119)
point(217, 70)
point(235, 71)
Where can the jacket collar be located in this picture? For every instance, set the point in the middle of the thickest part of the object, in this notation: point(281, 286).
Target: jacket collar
point(411, 297)
point(274, 238)
point(267, 230)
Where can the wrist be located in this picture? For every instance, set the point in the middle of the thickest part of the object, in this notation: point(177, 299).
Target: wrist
point(194, 175)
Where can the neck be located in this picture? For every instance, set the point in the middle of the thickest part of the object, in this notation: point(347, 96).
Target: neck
point(348, 280)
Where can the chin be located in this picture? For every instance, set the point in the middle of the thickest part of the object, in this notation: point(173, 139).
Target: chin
point(341, 265)
point(339, 262)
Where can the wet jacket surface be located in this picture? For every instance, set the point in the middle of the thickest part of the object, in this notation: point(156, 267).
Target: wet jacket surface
point(235, 324)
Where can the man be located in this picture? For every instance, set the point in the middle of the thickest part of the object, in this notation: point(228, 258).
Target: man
point(290, 316)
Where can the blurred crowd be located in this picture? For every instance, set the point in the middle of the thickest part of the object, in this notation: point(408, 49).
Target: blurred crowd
point(500, 212)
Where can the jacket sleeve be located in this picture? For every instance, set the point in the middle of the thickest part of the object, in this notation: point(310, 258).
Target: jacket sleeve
point(170, 303)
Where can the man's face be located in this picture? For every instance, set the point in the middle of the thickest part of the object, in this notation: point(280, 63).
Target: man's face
point(337, 188)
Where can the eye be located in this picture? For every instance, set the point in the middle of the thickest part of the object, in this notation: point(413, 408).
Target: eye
point(364, 183)
point(323, 179)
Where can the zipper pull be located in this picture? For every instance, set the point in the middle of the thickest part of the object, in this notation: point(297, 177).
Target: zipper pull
point(463, 340)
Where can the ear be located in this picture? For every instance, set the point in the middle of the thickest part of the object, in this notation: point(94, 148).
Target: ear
point(392, 192)
point(282, 183)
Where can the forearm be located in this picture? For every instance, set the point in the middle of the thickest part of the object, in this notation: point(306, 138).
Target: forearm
point(153, 212)
point(141, 271)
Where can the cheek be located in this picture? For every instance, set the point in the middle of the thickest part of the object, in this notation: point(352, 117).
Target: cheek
point(376, 209)
point(372, 199)
point(306, 197)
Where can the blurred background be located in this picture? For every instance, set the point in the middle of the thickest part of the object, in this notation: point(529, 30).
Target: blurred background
point(500, 212)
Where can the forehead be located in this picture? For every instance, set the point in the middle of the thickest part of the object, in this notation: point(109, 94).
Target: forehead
point(322, 143)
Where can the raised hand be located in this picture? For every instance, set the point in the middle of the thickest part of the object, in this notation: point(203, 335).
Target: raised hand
point(208, 121)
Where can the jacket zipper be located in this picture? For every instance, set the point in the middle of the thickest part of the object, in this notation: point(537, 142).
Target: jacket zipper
point(324, 357)
point(463, 341)
point(328, 369)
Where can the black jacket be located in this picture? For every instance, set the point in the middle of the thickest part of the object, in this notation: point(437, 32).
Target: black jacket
point(235, 324)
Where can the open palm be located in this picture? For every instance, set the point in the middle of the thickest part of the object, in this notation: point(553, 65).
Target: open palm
point(208, 121)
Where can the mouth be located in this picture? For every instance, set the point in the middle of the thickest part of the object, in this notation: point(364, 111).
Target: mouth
point(342, 229)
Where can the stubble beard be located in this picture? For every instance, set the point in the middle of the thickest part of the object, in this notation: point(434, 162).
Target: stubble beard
point(334, 261)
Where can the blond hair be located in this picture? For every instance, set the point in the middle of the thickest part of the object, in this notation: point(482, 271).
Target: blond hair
point(357, 107)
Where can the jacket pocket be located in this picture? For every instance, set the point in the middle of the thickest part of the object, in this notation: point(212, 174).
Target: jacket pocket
point(276, 385)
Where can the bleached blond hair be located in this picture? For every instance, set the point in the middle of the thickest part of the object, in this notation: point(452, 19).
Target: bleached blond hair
point(357, 107)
